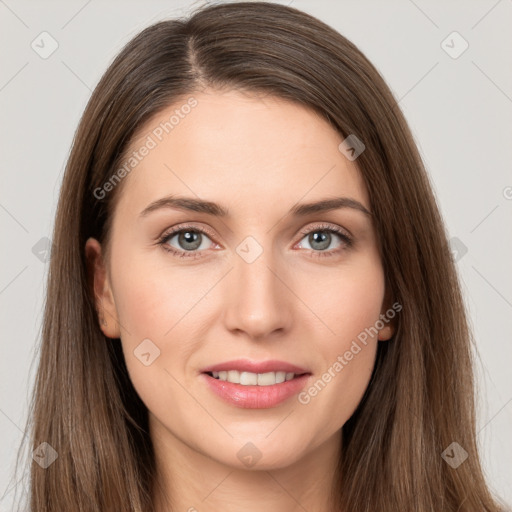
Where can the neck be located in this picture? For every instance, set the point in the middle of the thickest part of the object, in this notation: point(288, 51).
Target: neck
point(191, 481)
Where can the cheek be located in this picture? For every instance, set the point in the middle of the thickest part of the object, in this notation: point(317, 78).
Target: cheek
point(152, 306)
point(346, 300)
point(152, 299)
point(350, 307)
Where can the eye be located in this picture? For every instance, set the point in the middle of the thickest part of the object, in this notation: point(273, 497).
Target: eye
point(189, 240)
point(320, 238)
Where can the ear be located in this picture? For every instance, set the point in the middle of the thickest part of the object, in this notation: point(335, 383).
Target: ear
point(387, 331)
point(387, 318)
point(101, 288)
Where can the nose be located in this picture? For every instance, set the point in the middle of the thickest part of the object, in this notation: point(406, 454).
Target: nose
point(258, 300)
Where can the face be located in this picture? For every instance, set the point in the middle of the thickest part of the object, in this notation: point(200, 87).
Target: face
point(301, 292)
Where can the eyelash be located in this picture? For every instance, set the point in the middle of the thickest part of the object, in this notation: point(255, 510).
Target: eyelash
point(196, 254)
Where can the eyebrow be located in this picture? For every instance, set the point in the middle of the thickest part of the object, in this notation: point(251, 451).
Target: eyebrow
point(210, 208)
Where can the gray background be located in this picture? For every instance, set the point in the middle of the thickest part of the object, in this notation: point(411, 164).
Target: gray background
point(459, 109)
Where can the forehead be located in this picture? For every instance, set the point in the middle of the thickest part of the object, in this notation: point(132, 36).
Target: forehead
point(242, 150)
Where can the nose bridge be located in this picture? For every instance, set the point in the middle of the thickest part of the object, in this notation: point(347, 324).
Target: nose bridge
point(257, 302)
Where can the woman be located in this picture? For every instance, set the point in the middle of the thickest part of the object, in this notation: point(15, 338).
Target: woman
point(251, 303)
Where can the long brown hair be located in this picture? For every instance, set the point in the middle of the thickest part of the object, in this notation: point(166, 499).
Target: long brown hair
point(420, 399)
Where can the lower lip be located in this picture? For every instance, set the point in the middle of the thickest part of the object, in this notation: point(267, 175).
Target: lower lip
point(256, 397)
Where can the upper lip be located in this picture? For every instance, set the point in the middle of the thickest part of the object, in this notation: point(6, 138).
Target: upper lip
point(246, 365)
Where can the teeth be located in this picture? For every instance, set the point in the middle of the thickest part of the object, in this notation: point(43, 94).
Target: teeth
point(233, 376)
point(248, 379)
point(253, 379)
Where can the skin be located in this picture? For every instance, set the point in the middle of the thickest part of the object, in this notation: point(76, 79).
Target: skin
point(257, 157)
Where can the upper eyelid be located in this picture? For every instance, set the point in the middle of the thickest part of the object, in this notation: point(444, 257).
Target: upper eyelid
point(173, 231)
point(327, 226)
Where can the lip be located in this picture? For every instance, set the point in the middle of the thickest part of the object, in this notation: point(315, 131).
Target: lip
point(246, 365)
point(255, 397)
